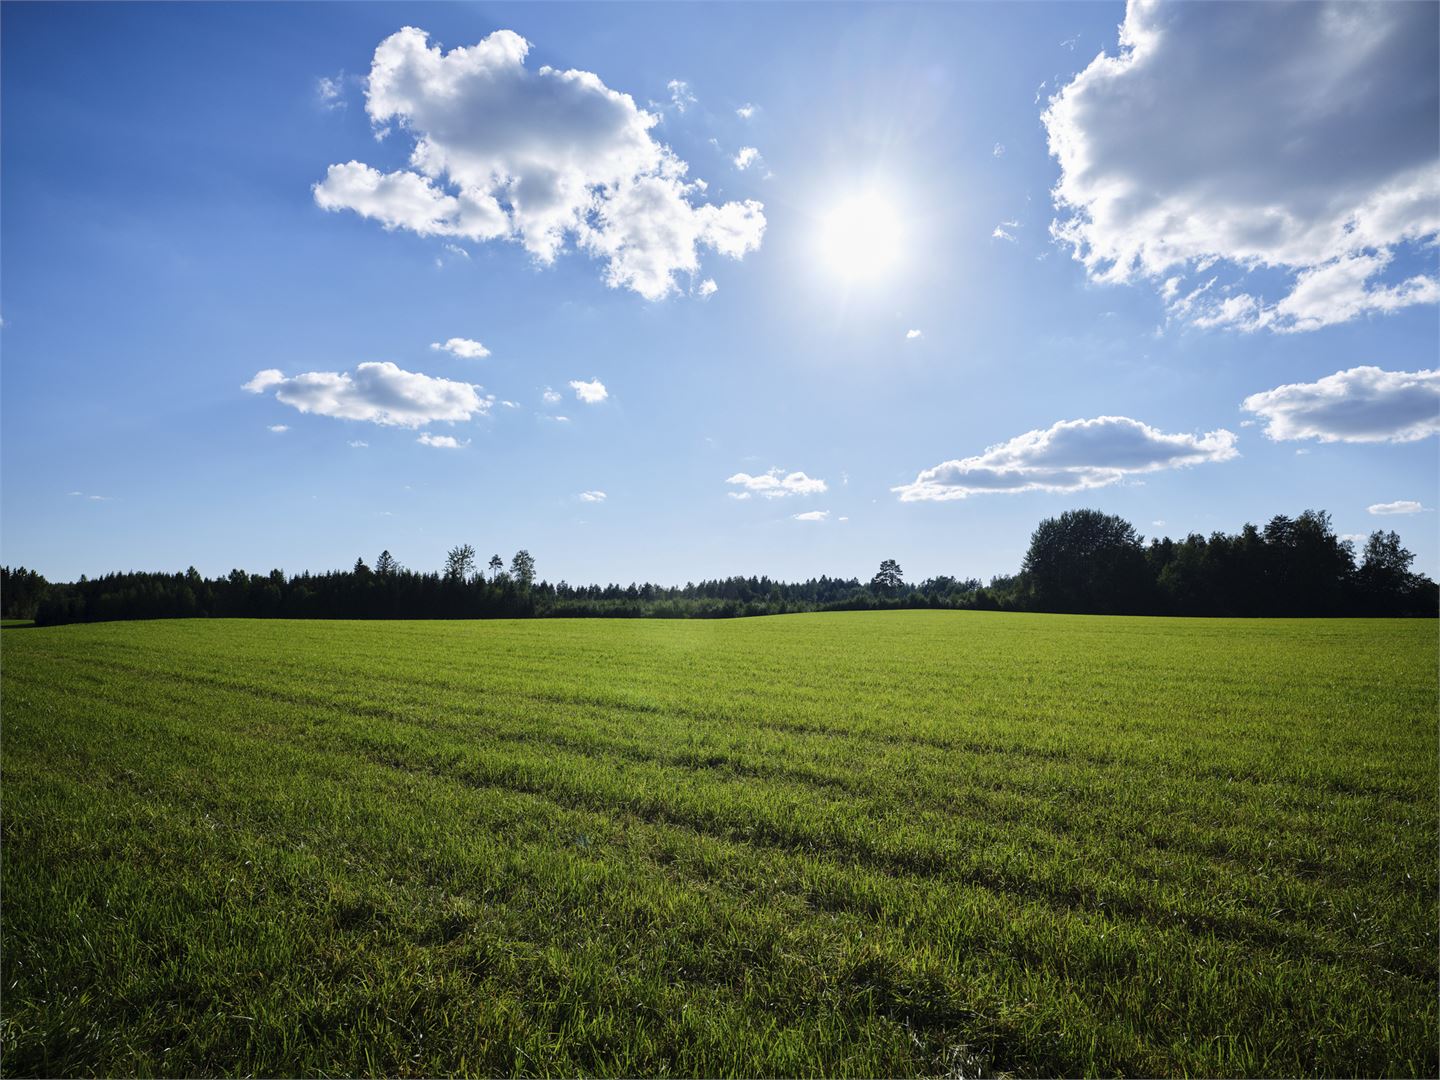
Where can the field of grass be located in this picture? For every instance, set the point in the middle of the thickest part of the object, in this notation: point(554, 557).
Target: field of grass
point(862, 843)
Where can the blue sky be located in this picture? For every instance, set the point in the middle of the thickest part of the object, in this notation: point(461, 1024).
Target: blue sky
point(165, 243)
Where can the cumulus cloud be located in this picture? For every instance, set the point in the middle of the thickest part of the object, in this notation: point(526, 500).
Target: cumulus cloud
point(591, 393)
point(911, 335)
point(812, 515)
point(1072, 455)
point(1363, 404)
point(745, 157)
point(1295, 137)
point(540, 156)
point(1001, 233)
point(279, 429)
point(707, 288)
point(775, 484)
point(551, 397)
point(592, 496)
point(443, 442)
point(999, 150)
point(380, 393)
point(1403, 506)
point(746, 111)
point(461, 347)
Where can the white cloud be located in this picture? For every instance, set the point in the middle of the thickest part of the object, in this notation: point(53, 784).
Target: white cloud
point(746, 157)
point(776, 484)
point(358, 444)
point(591, 393)
point(551, 397)
point(1363, 404)
point(464, 348)
point(707, 288)
point(911, 335)
point(443, 442)
point(378, 392)
point(559, 419)
point(279, 429)
point(1001, 234)
point(680, 96)
point(511, 404)
point(1072, 455)
point(330, 92)
point(999, 150)
point(812, 515)
point(746, 111)
point(592, 496)
point(540, 156)
point(1296, 137)
point(1403, 506)
point(93, 498)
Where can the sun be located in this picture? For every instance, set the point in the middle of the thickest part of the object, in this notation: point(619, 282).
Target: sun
point(861, 237)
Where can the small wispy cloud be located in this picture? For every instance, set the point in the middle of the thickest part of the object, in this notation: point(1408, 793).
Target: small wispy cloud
point(680, 96)
point(745, 157)
point(707, 288)
point(442, 442)
point(1402, 506)
point(591, 393)
point(465, 348)
point(812, 515)
point(551, 396)
point(999, 150)
point(1000, 233)
point(746, 111)
point(92, 498)
point(776, 484)
point(279, 429)
point(592, 496)
point(911, 335)
point(331, 91)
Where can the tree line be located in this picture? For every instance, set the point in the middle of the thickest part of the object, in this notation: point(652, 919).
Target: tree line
point(1083, 561)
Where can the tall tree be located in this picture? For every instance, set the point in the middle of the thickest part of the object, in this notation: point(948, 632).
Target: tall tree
point(460, 563)
point(385, 565)
point(497, 566)
point(522, 568)
point(889, 579)
point(1086, 560)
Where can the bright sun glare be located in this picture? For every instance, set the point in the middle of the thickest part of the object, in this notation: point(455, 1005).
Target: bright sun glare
point(860, 238)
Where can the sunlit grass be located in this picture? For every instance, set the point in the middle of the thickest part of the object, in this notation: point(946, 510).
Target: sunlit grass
point(851, 843)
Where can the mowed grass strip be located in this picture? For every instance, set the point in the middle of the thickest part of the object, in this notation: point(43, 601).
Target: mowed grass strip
point(860, 843)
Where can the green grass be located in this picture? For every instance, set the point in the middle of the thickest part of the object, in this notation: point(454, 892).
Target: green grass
point(871, 844)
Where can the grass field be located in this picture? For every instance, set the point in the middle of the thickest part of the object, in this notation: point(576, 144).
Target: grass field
point(859, 843)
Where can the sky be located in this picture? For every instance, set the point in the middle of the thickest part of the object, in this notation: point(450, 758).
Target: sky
point(673, 292)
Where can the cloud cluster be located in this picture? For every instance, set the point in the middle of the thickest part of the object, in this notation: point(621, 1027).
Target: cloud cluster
point(443, 442)
point(1403, 506)
point(540, 156)
point(380, 393)
point(591, 393)
point(1299, 137)
point(462, 347)
point(1072, 455)
point(1363, 404)
point(775, 484)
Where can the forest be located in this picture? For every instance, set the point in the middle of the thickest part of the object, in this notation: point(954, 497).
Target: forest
point(1081, 562)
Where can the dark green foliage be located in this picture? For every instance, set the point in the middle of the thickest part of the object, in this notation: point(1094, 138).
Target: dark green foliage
point(852, 845)
point(1086, 561)
point(1083, 562)
point(21, 591)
